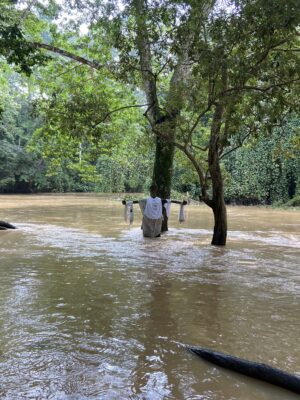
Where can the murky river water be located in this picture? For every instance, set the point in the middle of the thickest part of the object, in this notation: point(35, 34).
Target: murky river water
point(89, 309)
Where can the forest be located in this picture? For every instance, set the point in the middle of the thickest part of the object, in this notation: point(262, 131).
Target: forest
point(198, 96)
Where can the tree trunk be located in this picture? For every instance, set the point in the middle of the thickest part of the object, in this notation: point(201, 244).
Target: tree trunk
point(164, 156)
point(162, 172)
point(217, 204)
point(220, 223)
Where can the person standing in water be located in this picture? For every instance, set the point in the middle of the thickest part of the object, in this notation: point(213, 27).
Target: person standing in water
point(154, 212)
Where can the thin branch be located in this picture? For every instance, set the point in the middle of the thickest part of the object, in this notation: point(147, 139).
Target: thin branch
point(67, 54)
point(27, 10)
point(266, 53)
point(257, 88)
point(139, 69)
point(210, 103)
point(119, 109)
point(67, 70)
point(162, 68)
point(286, 50)
point(240, 144)
point(200, 148)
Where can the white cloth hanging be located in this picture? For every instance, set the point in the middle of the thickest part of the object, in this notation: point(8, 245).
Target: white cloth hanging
point(181, 216)
point(153, 209)
point(128, 212)
point(167, 206)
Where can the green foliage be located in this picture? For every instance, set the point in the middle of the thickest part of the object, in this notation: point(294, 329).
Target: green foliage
point(266, 170)
point(87, 128)
point(294, 202)
point(185, 177)
point(19, 171)
point(13, 45)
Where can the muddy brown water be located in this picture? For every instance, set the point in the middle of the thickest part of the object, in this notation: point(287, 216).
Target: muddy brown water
point(89, 309)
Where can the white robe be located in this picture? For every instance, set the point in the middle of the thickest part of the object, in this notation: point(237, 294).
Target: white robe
point(153, 209)
point(152, 216)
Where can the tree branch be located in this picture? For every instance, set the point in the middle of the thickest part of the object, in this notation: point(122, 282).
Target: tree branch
point(117, 110)
point(199, 118)
point(241, 142)
point(287, 50)
point(162, 68)
point(265, 54)
point(257, 88)
point(68, 54)
point(200, 148)
point(67, 70)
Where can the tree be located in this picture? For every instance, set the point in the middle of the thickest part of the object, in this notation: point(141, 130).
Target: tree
point(212, 77)
point(245, 68)
point(155, 64)
point(150, 30)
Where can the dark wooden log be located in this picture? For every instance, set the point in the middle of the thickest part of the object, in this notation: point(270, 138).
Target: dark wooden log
point(6, 225)
point(253, 369)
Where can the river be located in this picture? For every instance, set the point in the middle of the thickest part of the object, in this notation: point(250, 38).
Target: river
point(89, 309)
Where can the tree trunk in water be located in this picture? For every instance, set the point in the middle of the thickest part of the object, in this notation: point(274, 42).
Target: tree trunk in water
point(217, 204)
point(220, 223)
point(162, 172)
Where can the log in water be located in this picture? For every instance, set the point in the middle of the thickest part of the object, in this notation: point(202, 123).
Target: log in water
point(253, 369)
point(6, 225)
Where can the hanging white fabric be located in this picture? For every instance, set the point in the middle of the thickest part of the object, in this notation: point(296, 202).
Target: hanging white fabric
point(167, 206)
point(128, 212)
point(153, 209)
point(181, 216)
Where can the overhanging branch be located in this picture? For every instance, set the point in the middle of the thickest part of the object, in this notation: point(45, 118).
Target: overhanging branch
point(117, 110)
point(68, 54)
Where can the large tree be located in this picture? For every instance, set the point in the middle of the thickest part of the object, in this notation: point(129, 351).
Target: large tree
point(161, 69)
point(246, 81)
point(244, 67)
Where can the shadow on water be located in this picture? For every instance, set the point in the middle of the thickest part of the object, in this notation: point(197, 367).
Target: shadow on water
point(91, 309)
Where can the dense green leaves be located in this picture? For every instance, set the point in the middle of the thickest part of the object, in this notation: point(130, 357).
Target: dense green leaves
point(266, 170)
point(13, 45)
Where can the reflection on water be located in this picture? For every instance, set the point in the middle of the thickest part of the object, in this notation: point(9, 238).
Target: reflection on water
point(91, 309)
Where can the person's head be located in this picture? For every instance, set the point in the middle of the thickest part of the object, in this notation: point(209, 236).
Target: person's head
point(153, 190)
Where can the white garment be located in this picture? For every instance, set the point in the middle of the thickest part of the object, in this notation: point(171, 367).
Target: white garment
point(181, 216)
point(153, 209)
point(128, 212)
point(151, 225)
point(167, 206)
